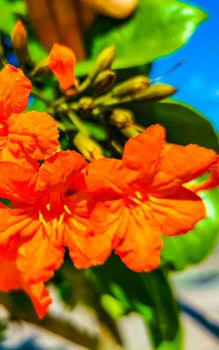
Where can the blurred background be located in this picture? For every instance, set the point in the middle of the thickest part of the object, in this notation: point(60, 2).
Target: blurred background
point(197, 80)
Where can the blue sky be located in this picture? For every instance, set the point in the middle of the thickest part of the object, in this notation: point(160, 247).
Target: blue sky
point(198, 79)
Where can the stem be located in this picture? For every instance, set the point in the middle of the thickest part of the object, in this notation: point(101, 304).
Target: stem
point(84, 86)
point(38, 95)
point(78, 123)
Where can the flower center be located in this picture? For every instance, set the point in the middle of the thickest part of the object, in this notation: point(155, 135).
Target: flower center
point(52, 209)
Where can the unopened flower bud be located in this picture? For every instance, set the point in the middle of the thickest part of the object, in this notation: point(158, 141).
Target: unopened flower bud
point(88, 147)
point(131, 86)
point(156, 93)
point(104, 81)
point(62, 63)
point(19, 42)
point(104, 61)
point(86, 104)
point(122, 118)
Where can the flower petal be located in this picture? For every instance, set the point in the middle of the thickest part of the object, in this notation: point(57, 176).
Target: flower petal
point(75, 228)
point(181, 164)
point(141, 244)
point(211, 182)
point(14, 91)
point(97, 244)
point(108, 178)
point(16, 223)
point(33, 135)
point(177, 213)
point(142, 152)
point(17, 182)
point(39, 257)
point(11, 279)
point(9, 276)
point(39, 296)
point(135, 237)
point(57, 171)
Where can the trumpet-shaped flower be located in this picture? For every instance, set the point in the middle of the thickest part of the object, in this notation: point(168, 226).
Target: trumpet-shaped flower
point(142, 197)
point(50, 210)
point(31, 135)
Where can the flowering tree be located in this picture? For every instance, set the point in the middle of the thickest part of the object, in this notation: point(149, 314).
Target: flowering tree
point(97, 175)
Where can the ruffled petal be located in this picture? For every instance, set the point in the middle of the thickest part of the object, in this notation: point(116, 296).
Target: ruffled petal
point(177, 213)
point(108, 178)
point(9, 276)
point(75, 229)
point(181, 164)
point(39, 257)
point(97, 244)
point(57, 171)
point(14, 91)
point(141, 244)
point(39, 296)
point(142, 152)
point(33, 135)
point(12, 279)
point(16, 223)
point(17, 182)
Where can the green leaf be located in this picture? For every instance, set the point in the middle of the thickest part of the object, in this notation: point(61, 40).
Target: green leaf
point(149, 294)
point(183, 124)
point(191, 248)
point(157, 28)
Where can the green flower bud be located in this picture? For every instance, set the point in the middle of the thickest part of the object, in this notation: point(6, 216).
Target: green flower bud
point(156, 93)
point(86, 104)
point(103, 62)
point(131, 86)
point(104, 81)
point(88, 147)
point(122, 118)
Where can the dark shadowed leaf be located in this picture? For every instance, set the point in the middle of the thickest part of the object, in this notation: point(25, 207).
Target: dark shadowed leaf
point(183, 124)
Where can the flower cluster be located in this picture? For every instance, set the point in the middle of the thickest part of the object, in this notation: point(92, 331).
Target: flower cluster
point(58, 200)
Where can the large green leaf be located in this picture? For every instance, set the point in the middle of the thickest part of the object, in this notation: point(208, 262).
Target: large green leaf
point(149, 294)
point(183, 124)
point(192, 247)
point(157, 28)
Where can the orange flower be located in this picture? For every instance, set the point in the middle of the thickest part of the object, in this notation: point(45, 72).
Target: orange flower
point(50, 210)
point(32, 135)
point(142, 197)
point(62, 62)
